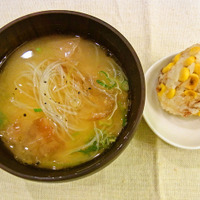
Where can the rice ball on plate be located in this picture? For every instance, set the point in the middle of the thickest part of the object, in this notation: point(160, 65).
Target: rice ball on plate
point(178, 86)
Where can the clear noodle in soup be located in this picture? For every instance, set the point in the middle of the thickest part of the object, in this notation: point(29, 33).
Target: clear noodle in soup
point(63, 101)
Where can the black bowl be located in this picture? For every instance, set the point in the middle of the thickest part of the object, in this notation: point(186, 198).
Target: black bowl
point(67, 22)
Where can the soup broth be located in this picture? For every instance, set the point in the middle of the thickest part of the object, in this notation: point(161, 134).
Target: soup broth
point(63, 101)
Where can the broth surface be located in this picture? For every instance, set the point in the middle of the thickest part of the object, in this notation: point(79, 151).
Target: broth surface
point(63, 101)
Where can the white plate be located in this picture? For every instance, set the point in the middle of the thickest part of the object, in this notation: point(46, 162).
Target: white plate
point(177, 131)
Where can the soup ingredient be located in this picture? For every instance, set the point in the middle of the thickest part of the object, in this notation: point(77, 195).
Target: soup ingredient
point(3, 120)
point(67, 102)
point(178, 86)
point(125, 85)
point(37, 109)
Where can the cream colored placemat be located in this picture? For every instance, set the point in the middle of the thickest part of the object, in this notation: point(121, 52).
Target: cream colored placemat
point(148, 169)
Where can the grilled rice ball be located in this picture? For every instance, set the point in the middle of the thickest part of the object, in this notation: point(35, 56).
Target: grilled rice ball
point(178, 87)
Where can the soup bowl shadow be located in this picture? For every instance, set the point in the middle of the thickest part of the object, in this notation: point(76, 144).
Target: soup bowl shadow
point(46, 23)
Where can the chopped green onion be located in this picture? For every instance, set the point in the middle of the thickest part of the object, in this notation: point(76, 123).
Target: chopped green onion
point(125, 85)
point(105, 85)
point(104, 142)
point(38, 49)
point(106, 75)
point(111, 84)
point(90, 149)
point(124, 121)
point(112, 139)
point(120, 76)
point(37, 110)
point(102, 72)
point(101, 83)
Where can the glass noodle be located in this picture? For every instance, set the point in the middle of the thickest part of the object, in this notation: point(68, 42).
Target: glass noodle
point(67, 101)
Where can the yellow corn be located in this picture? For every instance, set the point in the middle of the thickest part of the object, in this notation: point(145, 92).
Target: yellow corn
point(194, 50)
point(190, 93)
point(161, 89)
point(198, 113)
point(193, 82)
point(189, 61)
point(176, 58)
point(171, 93)
point(197, 68)
point(184, 74)
point(167, 68)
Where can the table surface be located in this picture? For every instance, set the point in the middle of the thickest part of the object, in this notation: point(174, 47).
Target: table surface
point(149, 169)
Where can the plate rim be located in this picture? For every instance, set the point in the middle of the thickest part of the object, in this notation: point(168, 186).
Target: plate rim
point(153, 66)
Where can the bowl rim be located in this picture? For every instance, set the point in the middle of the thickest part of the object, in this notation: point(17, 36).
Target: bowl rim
point(99, 164)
